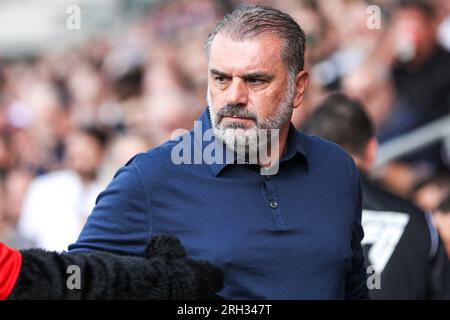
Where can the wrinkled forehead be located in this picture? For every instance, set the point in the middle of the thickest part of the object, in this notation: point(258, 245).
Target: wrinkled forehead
point(263, 52)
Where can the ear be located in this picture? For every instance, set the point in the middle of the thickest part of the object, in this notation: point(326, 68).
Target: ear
point(371, 153)
point(301, 82)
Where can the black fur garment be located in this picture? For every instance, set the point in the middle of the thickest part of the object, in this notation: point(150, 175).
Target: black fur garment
point(167, 273)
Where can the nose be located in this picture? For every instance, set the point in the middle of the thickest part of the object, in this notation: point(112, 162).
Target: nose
point(237, 92)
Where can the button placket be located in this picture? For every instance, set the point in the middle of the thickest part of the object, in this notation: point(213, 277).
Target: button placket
point(273, 204)
point(270, 195)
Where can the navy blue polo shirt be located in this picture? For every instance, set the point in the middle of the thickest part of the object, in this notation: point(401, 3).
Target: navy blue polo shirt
point(292, 235)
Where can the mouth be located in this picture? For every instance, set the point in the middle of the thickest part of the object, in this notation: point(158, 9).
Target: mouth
point(235, 118)
point(235, 122)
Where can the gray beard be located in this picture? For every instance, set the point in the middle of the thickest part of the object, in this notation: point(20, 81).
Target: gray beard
point(250, 141)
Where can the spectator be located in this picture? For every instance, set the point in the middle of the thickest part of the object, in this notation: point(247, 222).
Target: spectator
point(401, 243)
point(141, 84)
point(421, 70)
point(121, 149)
point(58, 203)
point(431, 192)
point(14, 187)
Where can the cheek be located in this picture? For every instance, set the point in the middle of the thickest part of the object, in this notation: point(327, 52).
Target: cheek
point(216, 98)
point(266, 103)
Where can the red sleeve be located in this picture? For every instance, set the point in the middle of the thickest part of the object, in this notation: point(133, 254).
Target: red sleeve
point(10, 265)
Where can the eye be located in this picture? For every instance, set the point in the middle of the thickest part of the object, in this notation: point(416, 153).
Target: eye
point(220, 79)
point(255, 81)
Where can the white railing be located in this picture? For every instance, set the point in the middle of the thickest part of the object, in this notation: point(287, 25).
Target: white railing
point(414, 140)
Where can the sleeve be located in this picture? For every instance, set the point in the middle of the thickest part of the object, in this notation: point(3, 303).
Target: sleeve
point(86, 276)
point(440, 274)
point(10, 265)
point(165, 273)
point(120, 221)
point(356, 280)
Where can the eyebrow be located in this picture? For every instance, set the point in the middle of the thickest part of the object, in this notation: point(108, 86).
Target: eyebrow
point(253, 75)
point(219, 73)
point(259, 75)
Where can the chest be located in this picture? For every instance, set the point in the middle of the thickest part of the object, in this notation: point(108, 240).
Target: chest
point(257, 222)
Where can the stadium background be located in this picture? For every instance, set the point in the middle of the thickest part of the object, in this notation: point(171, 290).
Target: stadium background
point(76, 102)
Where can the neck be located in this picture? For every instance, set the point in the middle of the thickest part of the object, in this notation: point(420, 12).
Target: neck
point(422, 56)
point(87, 178)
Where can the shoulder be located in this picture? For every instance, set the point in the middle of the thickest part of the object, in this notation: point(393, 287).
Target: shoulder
point(155, 156)
point(53, 181)
point(158, 162)
point(385, 200)
point(161, 153)
point(326, 154)
point(421, 228)
point(57, 177)
point(319, 147)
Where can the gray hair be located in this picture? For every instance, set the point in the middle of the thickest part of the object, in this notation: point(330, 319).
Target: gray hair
point(252, 21)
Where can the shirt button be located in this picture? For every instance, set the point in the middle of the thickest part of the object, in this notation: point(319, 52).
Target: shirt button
point(273, 204)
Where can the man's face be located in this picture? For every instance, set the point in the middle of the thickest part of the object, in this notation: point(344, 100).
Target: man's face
point(248, 85)
point(415, 35)
point(84, 154)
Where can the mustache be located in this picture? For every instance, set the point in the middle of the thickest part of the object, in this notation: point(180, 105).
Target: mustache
point(234, 110)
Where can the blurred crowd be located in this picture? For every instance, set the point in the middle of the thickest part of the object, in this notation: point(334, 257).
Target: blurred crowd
point(70, 118)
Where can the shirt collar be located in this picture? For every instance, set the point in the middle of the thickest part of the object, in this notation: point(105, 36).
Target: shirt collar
point(296, 145)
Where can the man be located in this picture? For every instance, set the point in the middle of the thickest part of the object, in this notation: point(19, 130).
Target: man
point(420, 69)
point(401, 243)
point(57, 204)
point(12, 192)
point(291, 234)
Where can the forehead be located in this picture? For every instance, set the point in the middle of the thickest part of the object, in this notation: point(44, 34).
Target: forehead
point(412, 15)
point(82, 138)
point(263, 53)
